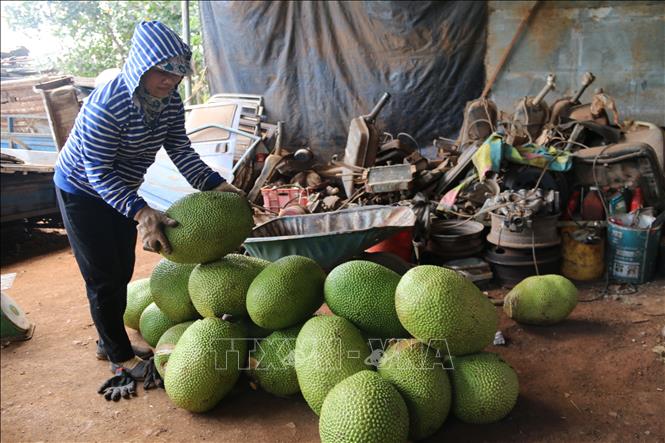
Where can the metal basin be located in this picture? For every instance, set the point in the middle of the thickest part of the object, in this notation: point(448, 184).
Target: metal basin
point(328, 238)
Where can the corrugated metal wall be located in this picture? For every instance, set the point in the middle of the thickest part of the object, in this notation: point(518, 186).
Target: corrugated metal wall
point(621, 42)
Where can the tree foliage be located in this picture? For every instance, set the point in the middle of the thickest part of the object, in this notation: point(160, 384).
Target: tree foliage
point(96, 34)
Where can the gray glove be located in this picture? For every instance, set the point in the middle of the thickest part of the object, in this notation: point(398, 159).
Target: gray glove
point(151, 228)
point(228, 187)
point(120, 385)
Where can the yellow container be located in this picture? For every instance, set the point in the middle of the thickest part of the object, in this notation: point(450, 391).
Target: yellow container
point(583, 259)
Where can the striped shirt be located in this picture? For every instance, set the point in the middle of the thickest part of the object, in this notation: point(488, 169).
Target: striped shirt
point(110, 147)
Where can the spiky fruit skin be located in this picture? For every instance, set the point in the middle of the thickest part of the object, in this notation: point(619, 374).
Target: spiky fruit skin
point(445, 310)
point(485, 388)
point(153, 323)
point(328, 349)
point(205, 364)
point(272, 366)
point(421, 379)
point(168, 284)
point(541, 300)
point(138, 298)
point(166, 345)
point(211, 224)
point(363, 292)
point(286, 292)
point(220, 287)
point(364, 408)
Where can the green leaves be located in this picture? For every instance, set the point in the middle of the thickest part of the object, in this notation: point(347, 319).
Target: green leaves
point(96, 35)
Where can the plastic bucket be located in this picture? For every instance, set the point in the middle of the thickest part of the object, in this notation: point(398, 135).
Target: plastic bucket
point(632, 252)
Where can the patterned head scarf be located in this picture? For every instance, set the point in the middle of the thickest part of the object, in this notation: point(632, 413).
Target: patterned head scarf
point(180, 65)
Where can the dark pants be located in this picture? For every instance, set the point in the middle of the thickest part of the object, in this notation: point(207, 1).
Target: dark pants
point(103, 242)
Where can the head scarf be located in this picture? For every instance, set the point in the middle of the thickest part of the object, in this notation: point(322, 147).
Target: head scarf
point(180, 65)
point(153, 106)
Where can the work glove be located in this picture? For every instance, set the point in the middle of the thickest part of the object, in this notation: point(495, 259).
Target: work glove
point(151, 228)
point(120, 385)
point(152, 377)
point(228, 187)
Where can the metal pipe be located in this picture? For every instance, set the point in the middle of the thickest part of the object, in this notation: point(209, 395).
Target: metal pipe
point(187, 81)
point(547, 88)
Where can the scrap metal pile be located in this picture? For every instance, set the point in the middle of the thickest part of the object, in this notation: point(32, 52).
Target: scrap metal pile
point(522, 174)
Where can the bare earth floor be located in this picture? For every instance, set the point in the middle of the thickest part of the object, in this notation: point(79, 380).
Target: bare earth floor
point(594, 377)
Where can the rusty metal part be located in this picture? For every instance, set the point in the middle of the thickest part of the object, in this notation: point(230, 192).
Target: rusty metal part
point(450, 239)
point(381, 179)
point(541, 232)
point(531, 114)
point(362, 143)
point(510, 266)
point(303, 155)
point(480, 117)
point(561, 108)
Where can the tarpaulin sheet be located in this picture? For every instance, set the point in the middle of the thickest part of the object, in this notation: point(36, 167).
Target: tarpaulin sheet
point(320, 64)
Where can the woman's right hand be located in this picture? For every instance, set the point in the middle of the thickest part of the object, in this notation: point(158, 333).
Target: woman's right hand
point(151, 229)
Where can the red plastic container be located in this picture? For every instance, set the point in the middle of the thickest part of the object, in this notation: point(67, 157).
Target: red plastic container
point(275, 198)
point(400, 244)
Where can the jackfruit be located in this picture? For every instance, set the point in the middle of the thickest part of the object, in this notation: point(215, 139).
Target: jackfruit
point(138, 298)
point(211, 224)
point(445, 310)
point(168, 284)
point(541, 300)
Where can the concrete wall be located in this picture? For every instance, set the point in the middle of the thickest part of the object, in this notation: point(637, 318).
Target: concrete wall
point(622, 43)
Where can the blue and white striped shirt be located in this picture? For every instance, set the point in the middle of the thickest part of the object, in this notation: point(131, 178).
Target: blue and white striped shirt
point(110, 147)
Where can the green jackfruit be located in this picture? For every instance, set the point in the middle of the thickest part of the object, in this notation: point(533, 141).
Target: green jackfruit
point(363, 292)
point(445, 310)
point(166, 345)
point(220, 287)
point(286, 292)
point(364, 408)
point(168, 284)
point(272, 366)
point(485, 388)
point(420, 377)
point(138, 298)
point(153, 323)
point(210, 225)
point(541, 300)
point(205, 364)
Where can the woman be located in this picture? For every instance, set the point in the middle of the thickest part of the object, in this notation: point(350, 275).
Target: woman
point(117, 133)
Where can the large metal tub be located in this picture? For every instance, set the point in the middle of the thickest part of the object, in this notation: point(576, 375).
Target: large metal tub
point(328, 238)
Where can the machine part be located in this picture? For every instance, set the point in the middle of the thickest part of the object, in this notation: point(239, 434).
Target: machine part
point(475, 269)
point(459, 170)
point(542, 232)
point(511, 266)
point(362, 143)
point(604, 104)
point(615, 165)
point(531, 114)
point(303, 155)
point(652, 135)
point(269, 165)
point(307, 179)
point(382, 179)
point(330, 237)
point(561, 108)
point(480, 116)
point(451, 239)
point(331, 202)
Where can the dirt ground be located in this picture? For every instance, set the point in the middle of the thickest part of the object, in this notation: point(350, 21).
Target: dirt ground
point(594, 377)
